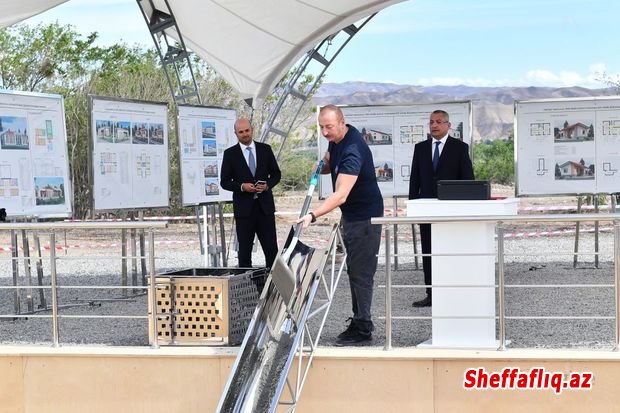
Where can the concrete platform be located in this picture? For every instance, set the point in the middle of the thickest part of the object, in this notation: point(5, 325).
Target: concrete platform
point(189, 379)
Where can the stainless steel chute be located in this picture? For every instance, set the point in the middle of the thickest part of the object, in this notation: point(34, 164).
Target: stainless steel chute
point(278, 333)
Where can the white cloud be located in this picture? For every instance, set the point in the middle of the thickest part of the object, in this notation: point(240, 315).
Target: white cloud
point(592, 78)
point(454, 81)
point(598, 68)
point(541, 76)
point(545, 77)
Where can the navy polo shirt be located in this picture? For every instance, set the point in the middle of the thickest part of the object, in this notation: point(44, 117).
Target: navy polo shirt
point(352, 156)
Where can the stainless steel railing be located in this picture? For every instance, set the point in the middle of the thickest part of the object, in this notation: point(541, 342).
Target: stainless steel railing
point(55, 227)
point(499, 220)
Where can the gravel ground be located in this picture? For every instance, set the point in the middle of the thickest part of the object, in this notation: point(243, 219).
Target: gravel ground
point(96, 263)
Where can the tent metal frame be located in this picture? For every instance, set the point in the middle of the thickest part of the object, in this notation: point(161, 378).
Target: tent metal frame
point(172, 53)
point(276, 128)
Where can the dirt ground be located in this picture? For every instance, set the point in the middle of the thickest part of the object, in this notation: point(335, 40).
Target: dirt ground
point(178, 247)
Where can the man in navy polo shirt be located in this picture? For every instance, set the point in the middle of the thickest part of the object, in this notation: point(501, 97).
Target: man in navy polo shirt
point(356, 192)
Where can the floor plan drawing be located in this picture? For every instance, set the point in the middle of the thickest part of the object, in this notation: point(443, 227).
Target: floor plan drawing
point(108, 163)
point(9, 185)
point(143, 165)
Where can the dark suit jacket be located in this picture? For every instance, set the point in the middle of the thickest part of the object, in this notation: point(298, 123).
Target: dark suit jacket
point(235, 171)
point(454, 163)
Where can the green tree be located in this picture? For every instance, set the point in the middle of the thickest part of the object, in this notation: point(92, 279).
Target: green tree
point(56, 59)
point(38, 58)
point(495, 161)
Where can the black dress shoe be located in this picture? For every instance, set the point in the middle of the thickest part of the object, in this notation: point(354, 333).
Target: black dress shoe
point(427, 302)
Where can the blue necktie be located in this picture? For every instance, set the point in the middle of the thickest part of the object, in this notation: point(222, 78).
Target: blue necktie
point(251, 161)
point(435, 156)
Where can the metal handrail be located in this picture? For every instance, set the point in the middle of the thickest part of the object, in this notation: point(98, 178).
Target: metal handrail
point(496, 218)
point(388, 222)
point(53, 227)
point(44, 226)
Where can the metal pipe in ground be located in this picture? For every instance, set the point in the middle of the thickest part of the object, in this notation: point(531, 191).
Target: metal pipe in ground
point(153, 290)
point(15, 265)
point(124, 260)
point(500, 291)
point(54, 281)
point(27, 271)
point(395, 213)
point(617, 280)
point(388, 289)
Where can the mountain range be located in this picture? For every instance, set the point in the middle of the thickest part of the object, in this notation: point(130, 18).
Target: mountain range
point(493, 107)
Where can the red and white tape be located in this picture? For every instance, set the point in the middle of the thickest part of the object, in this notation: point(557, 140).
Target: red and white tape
point(6, 248)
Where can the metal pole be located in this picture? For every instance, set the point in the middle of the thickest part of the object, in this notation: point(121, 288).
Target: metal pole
point(15, 265)
point(388, 289)
point(415, 246)
point(39, 265)
point(222, 235)
point(27, 273)
point(395, 234)
point(596, 210)
point(142, 249)
point(617, 280)
point(134, 252)
point(154, 318)
point(205, 236)
point(55, 335)
point(202, 247)
point(214, 249)
point(500, 291)
point(124, 260)
point(576, 250)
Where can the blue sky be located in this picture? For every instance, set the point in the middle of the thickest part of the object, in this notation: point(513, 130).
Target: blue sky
point(425, 42)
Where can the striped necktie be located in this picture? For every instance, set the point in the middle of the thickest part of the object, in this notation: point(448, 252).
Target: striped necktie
point(251, 161)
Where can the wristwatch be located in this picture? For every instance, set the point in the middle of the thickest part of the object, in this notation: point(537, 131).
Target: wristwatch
point(313, 217)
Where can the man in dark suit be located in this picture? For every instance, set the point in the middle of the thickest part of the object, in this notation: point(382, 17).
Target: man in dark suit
point(437, 158)
point(250, 170)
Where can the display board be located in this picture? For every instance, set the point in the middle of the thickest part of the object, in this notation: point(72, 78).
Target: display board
point(204, 133)
point(129, 153)
point(391, 133)
point(34, 167)
point(567, 146)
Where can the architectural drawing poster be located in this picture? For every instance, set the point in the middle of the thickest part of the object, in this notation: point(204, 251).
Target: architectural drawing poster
point(391, 132)
point(130, 154)
point(204, 134)
point(34, 168)
point(567, 146)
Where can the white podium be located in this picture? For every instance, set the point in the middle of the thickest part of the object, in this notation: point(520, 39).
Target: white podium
point(463, 238)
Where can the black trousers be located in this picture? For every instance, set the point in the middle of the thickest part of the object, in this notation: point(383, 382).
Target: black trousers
point(425, 238)
point(362, 241)
point(264, 227)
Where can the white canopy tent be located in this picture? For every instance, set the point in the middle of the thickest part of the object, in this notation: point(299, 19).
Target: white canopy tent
point(12, 11)
point(250, 43)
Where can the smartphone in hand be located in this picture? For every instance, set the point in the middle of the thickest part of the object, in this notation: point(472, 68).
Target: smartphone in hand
point(257, 183)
